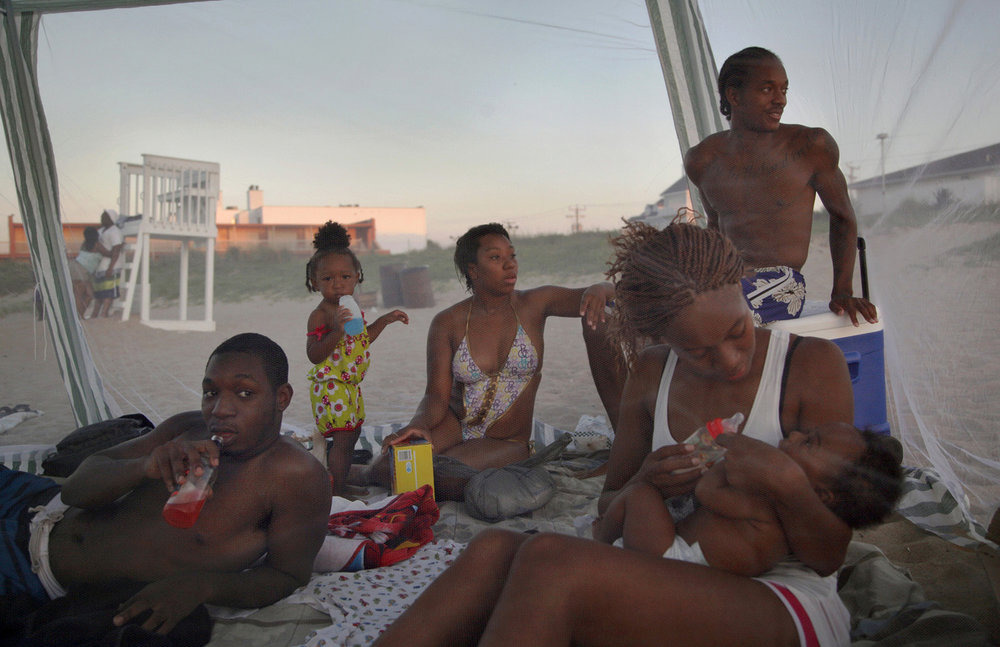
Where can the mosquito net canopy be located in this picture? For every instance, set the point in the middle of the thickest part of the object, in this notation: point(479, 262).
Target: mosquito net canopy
point(503, 111)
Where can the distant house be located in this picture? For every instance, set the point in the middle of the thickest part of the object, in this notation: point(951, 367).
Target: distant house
point(672, 198)
point(972, 177)
point(393, 229)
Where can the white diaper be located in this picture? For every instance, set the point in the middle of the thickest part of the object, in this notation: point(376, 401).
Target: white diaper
point(680, 550)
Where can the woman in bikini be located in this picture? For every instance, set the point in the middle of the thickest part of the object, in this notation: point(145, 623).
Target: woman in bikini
point(484, 357)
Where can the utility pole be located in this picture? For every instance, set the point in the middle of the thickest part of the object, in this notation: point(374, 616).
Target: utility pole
point(576, 227)
point(510, 226)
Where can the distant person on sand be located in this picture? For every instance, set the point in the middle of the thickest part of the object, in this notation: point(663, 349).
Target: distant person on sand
point(758, 183)
point(339, 352)
point(82, 269)
point(484, 360)
point(855, 473)
point(252, 544)
point(106, 277)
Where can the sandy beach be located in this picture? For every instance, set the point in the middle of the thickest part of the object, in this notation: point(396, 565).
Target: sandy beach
point(158, 373)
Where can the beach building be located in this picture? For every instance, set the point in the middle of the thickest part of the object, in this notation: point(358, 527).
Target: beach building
point(972, 177)
point(392, 230)
point(660, 213)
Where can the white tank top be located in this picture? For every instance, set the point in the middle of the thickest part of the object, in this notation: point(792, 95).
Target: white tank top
point(764, 420)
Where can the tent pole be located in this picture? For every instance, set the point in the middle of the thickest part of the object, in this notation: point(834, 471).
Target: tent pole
point(30, 150)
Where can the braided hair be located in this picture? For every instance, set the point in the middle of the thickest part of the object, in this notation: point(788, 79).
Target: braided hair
point(331, 238)
point(659, 272)
point(735, 71)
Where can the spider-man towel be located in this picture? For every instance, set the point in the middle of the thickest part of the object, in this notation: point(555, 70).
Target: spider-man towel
point(370, 538)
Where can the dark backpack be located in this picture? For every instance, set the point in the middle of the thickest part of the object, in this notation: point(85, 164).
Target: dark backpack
point(90, 439)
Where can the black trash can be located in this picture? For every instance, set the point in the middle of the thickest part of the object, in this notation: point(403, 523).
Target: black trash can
point(416, 286)
point(392, 290)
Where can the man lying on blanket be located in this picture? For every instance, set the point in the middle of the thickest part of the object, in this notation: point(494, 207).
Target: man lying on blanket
point(253, 543)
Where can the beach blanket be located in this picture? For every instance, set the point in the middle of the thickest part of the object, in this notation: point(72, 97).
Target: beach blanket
point(887, 607)
point(351, 608)
point(379, 535)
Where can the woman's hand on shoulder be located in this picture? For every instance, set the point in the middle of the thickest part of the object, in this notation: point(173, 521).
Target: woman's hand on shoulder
point(594, 302)
point(559, 301)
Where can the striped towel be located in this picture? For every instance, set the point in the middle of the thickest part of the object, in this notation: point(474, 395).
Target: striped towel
point(928, 503)
point(25, 458)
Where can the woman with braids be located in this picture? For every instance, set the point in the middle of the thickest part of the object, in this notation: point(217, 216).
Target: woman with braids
point(678, 288)
point(484, 361)
point(340, 359)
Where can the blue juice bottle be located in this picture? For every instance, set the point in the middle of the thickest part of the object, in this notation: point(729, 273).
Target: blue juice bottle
point(356, 324)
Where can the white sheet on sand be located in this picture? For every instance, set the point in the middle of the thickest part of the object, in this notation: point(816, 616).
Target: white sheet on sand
point(10, 420)
point(363, 603)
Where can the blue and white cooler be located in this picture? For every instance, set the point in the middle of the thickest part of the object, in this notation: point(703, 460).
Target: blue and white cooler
point(864, 349)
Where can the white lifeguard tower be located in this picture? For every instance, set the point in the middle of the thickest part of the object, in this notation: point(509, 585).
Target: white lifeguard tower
point(174, 199)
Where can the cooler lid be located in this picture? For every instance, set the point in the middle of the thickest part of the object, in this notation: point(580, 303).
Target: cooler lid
point(827, 325)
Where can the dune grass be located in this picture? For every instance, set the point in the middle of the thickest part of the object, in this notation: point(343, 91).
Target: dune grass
point(276, 274)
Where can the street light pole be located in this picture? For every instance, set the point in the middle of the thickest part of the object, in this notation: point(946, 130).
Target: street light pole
point(881, 137)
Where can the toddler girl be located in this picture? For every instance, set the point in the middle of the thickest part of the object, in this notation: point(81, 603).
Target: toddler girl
point(341, 360)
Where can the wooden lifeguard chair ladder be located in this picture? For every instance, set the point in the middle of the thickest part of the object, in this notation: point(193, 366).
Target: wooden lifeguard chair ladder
point(175, 199)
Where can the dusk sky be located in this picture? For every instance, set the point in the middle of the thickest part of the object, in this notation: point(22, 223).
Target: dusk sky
point(511, 111)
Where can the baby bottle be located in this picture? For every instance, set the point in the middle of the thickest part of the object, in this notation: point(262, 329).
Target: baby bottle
point(704, 439)
point(184, 505)
point(356, 324)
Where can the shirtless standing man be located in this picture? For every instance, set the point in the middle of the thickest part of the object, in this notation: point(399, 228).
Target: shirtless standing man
point(759, 181)
point(254, 541)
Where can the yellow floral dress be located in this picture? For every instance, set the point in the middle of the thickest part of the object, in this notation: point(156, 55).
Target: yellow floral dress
point(336, 385)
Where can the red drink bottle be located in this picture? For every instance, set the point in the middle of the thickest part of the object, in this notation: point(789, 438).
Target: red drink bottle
point(704, 439)
point(184, 505)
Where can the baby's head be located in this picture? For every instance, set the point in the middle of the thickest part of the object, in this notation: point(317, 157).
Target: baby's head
point(857, 474)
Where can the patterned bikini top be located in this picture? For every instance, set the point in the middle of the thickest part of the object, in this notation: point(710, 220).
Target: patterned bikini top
point(487, 397)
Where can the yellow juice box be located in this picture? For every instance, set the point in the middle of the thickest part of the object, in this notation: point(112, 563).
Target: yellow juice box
point(412, 466)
